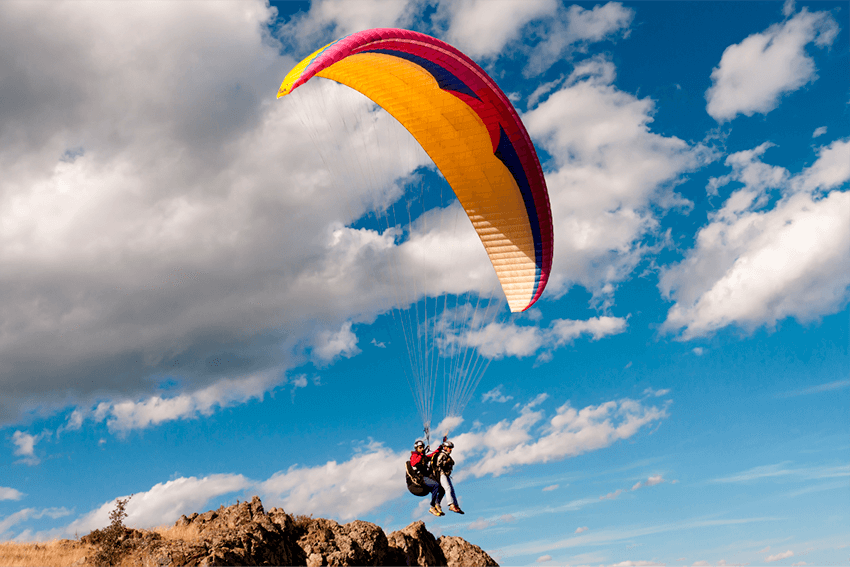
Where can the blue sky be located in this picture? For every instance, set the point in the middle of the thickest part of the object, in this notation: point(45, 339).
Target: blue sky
point(190, 312)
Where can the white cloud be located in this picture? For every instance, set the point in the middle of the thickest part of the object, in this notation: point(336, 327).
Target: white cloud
point(574, 27)
point(497, 340)
point(344, 490)
point(164, 503)
point(778, 556)
point(753, 267)
point(447, 425)
point(788, 8)
point(485, 29)
point(544, 558)
point(482, 28)
point(568, 433)
point(612, 495)
point(25, 446)
point(124, 264)
point(10, 493)
point(550, 488)
point(754, 74)
point(609, 177)
point(127, 415)
point(30, 514)
point(651, 481)
point(331, 345)
point(328, 20)
point(820, 131)
point(495, 395)
point(831, 170)
point(638, 564)
point(581, 530)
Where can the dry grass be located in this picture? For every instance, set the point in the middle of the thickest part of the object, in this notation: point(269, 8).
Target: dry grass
point(188, 533)
point(61, 553)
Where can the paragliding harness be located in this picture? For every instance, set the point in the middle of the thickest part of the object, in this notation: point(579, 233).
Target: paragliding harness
point(414, 481)
point(425, 468)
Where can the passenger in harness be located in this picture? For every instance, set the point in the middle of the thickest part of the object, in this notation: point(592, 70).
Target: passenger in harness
point(419, 477)
point(441, 467)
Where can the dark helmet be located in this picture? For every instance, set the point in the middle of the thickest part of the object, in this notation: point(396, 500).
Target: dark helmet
point(448, 444)
point(418, 444)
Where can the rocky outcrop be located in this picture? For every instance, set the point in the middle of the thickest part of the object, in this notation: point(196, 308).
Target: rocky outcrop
point(245, 534)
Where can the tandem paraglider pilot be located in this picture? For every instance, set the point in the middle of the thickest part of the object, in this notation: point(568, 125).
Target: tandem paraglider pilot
point(430, 473)
point(419, 481)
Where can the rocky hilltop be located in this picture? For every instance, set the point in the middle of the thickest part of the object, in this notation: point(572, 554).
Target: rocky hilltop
point(245, 534)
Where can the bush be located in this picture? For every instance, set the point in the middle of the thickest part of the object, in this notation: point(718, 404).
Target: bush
point(112, 540)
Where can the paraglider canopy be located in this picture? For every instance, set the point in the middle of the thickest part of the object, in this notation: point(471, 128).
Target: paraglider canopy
point(469, 129)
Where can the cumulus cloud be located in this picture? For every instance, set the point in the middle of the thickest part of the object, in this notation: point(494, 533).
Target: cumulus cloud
point(485, 29)
point(581, 530)
point(122, 416)
point(573, 28)
point(550, 488)
point(498, 340)
point(344, 490)
point(778, 556)
point(25, 446)
point(609, 179)
point(753, 75)
point(331, 345)
point(754, 266)
point(169, 222)
point(529, 439)
point(544, 558)
point(482, 28)
point(7, 493)
point(328, 20)
point(164, 503)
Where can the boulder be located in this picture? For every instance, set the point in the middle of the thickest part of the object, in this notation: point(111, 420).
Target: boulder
point(459, 552)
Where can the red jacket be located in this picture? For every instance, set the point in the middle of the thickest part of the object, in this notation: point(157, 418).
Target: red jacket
point(419, 463)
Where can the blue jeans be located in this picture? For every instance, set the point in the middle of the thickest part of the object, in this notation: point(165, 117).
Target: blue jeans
point(448, 487)
point(435, 488)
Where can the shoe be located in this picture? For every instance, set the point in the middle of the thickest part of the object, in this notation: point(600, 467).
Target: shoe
point(435, 511)
point(439, 509)
point(454, 508)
